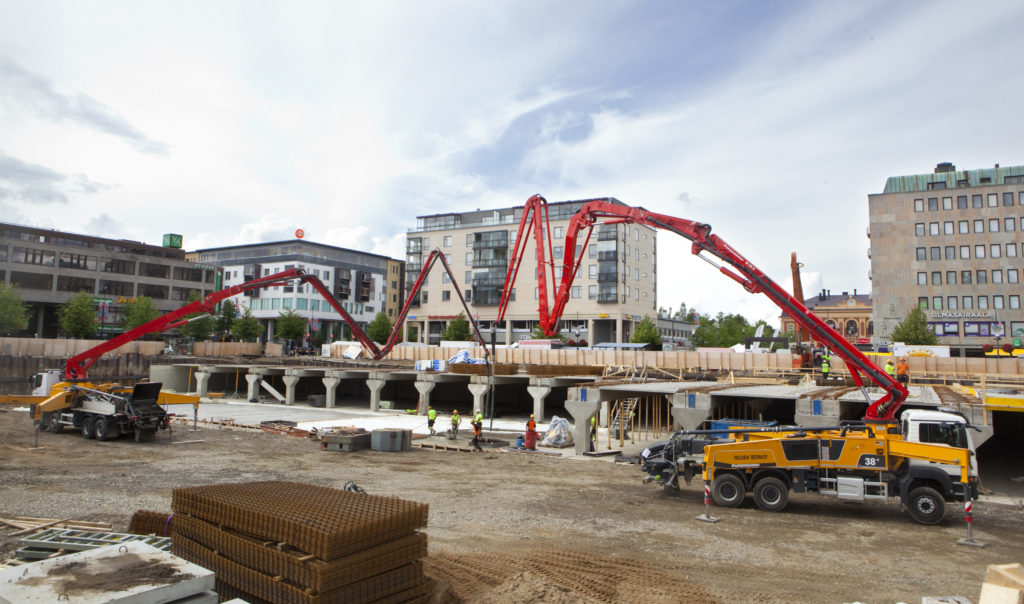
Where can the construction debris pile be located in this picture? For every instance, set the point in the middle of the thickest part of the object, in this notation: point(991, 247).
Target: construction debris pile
point(297, 543)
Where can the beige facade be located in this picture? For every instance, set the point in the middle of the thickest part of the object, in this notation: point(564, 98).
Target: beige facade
point(951, 243)
point(394, 288)
point(848, 313)
point(615, 287)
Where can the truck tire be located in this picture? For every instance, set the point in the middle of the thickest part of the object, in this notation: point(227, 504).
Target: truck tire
point(728, 490)
point(88, 426)
point(55, 426)
point(104, 428)
point(771, 494)
point(926, 506)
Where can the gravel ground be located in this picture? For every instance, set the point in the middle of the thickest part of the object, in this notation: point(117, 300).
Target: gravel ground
point(514, 526)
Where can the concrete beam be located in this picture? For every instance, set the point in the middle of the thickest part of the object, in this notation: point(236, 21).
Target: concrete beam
point(289, 392)
point(254, 384)
point(202, 383)
point(375, 386)
point(581, 412)
point(478, 391)
point(331, 386)
point(539, 393)
point(424, 388)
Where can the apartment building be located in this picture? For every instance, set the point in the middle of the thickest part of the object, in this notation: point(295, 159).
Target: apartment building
point(363, 283)
point(615, 287)
point(50, 267)
point(951, 243)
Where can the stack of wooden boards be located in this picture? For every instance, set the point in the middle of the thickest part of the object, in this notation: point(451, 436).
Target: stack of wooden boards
point(1004, 584)
point(287, 542)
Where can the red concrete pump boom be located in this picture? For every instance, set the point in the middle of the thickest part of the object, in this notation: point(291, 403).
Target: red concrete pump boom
point(78, 365)
point(743, 272)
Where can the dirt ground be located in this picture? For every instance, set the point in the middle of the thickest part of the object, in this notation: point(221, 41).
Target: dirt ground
point(511, 527)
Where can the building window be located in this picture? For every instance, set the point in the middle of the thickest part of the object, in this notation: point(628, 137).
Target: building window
point(592, 271)
point(576, 292)
point(979, 226)
point(947, 228)
point(979, 251)
point(965, 252)
point(950, 277)
point(423, 296)
point(302, 304)
point(968, 302)
point(591, 292)
point(947, 203)
point(592, 249)
point(558, 252)
point(922, 278)
point(919, 229)
point(951, 303)
point(445, 278)
point(997, 276)
point(287, 303)
point(27, 255)
point(964, 227)
point(536, 293)
point(447, 240)
point(933, 228)
point(31, 280)
point(922, 302)
point(993, 225)
point(1015, 301)
point(933, 204)
point(116, 288)
point(469, 239)
point(559, 232)
point(161, 271)
point(936, 253)
point(950, 252)
point(1009, 224)
point(1008, 198)
point(965, 277)
point(67, 283)
point(936, 302)
point(1011, 275)
point(936, 278)
point(921, 254)
point(995, 249)
point(158, 292)
point(123, 267)
point(961, 202)
point(983, 302)
point(918, 205)
point(446, 295)
point(997, 302)
point(79, 261)
point(993, 200)
point(981, 277)
point(976, 201)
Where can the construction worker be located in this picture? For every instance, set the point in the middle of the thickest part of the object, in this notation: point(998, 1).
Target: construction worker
point(478, 418)
point(456, 420)
point(890, 369)
point(477, 427)
point(903, 371)
point(593, 433)
point(431, 416)
point(530, 424)
point(824, 366)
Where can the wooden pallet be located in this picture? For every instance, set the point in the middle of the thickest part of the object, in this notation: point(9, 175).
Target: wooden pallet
point(28, 524)
point(442, 447)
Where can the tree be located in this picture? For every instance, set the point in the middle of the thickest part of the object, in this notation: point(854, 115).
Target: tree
point(914, 329)
point(13, 312)
point(78, 316)
point(647, 332)
point(290, 325)
point(457, 330)
point(226, 318)
point(723, 331)
point(200, 325)
point(379, 329)
point(538, 334)
point(138, 312)
point(246, 328)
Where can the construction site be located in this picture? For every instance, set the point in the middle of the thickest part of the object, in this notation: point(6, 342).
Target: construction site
point(574, 475)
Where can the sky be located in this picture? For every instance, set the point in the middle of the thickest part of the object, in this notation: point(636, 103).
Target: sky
point(239, 122)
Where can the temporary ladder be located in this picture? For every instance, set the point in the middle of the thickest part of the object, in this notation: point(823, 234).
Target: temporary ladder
point(622, 415)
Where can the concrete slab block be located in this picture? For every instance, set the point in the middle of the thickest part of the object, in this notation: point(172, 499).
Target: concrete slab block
point(130, 573)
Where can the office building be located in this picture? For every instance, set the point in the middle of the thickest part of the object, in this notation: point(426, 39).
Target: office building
point(50, 267)
point(616, 285)
point(363, 283)
point(950, 242)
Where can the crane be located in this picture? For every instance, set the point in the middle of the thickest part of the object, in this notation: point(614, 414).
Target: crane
point(734, 266)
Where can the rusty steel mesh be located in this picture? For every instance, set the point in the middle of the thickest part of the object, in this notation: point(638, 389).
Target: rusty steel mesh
point(401, 584)
point(280, 560)
point(328, 523)
point(145, 522)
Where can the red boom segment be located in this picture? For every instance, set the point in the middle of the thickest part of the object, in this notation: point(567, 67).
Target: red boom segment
point(746, 274)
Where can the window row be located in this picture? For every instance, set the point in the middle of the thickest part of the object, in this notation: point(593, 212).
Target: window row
point(971, 328)
point(968, 302)
point(966, 227)
point(981, 277)
point(992, 200)
point(964, 252)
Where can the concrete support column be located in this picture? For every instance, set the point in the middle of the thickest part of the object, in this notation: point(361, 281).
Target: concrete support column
point(690, 409)
point(590, 332)
point(539, 393)
point(618, 328)
point(581, 411)
point(508, 332)
point(331, 385)
point(375, 385)
point(478, 391)
point(424, 388)
point(202, 383)
point(254, 384)
point(289, 392)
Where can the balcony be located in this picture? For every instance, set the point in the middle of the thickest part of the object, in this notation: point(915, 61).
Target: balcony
point(490, 263)
point(606, 235)
point(607, 298)
point(613, 255)
point(610, 277)
point(488, 281)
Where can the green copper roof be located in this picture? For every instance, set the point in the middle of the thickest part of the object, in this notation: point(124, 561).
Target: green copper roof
point(973, 178)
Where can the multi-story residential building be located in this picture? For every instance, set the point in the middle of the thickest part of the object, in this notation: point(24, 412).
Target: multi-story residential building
point(951, 243)
point(52, 266)
point(616, 285)
point(848, 313)
point(363, 283)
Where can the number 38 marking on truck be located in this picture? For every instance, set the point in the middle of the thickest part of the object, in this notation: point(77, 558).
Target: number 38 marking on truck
point(870, 461)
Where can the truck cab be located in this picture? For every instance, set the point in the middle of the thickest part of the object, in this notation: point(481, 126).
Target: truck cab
point(940, 428)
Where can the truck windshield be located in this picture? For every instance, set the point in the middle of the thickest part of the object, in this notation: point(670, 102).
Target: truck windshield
point(954, 435)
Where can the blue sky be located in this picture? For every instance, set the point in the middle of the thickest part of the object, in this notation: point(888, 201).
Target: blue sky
point(232, 122)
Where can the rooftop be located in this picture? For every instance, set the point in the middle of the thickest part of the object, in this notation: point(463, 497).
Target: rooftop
point(946, 176)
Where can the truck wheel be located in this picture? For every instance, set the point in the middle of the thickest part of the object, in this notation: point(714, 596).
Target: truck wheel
point(728, 490)
point(926, 506)
point(771, 494)
point(55, 426)
point(104, 428)
point(88, 426)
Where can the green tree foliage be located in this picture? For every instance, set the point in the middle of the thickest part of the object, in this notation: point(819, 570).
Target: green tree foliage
point(723, 331)
point(290, 325)
point(13, 312)
point(457, 329)
point(78, 316)
point(200, 325)
point(137, 313)
point(914, 329)
point(538, 334)
point(246, 328)
point(226, 318)
point(379, 329)
point(647, 332)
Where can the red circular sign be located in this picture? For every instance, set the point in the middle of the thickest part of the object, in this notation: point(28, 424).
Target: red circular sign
point(299, 233)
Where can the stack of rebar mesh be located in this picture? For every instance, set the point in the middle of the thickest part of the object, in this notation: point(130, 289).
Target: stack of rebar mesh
point(287, 542)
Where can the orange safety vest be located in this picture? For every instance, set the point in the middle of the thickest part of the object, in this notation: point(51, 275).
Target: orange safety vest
point(531, 425)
